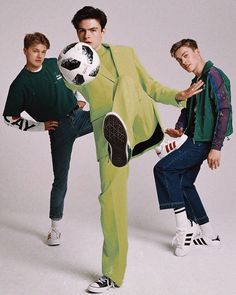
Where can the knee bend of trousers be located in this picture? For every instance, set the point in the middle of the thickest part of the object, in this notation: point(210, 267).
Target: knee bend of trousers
point(168, 187)
point(113, 201)
point(160, 172)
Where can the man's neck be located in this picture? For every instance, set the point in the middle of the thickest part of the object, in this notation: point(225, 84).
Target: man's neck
point(199, 69)
point(33, 70)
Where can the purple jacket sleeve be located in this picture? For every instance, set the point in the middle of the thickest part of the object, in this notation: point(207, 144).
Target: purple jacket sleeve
point(182, 120)
point(223, 107)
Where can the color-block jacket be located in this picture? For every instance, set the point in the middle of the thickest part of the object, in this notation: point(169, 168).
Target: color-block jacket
point(213, 117)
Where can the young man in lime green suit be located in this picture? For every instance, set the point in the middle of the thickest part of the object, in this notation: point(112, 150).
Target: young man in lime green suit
point(122, 87)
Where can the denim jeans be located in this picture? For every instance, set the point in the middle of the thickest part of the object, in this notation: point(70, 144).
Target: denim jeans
point(175, 176)
point(74, 125)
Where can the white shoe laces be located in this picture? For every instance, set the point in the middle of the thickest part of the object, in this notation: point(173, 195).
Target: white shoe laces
point(103, 279)
point(54, 234)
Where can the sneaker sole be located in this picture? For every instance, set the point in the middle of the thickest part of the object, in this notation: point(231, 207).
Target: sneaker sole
point(98, 290)
point(116, 135)
point(53, 244)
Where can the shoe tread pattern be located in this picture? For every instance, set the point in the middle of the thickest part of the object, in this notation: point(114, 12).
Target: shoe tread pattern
point(116, 136)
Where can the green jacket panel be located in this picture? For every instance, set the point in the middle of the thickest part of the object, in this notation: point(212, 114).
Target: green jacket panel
point(215, 98)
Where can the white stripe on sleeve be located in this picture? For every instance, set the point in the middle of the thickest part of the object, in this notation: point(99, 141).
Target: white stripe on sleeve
point(24, 124)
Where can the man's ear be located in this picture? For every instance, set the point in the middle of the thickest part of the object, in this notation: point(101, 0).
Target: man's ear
point(104, 31)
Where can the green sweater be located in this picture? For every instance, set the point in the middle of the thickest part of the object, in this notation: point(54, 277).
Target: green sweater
point(43, 95)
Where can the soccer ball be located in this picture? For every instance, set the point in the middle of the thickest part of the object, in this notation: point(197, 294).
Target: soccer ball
point(78, 63)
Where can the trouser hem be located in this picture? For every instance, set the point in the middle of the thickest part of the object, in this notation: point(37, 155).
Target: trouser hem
point(172, 205)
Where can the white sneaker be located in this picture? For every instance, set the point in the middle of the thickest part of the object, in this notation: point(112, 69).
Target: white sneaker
point(168, 146)
point(101, 285)
point(53, 238)
point(183, 239)
point(202, 240)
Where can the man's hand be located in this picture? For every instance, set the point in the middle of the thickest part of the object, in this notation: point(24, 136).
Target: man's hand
point(50, 125)
point(174, 132)
point(81, 104)
point(213, 159)
point(192, 90)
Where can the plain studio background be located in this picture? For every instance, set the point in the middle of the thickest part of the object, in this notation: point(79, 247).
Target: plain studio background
point(27, 265)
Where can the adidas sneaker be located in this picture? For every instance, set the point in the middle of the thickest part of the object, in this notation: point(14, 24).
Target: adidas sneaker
point(183, 239)
point(168, 146)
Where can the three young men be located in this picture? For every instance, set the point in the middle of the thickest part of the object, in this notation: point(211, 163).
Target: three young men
point(206, 120)
point(39, 89)
point(122, 113)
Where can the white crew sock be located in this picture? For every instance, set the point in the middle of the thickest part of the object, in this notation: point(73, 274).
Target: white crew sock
point(55, 224)
point(207, 230)
point(181, 218)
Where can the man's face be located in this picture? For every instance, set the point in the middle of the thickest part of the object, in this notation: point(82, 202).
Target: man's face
point(90, 32)
point(188, 58)
point(35, 56)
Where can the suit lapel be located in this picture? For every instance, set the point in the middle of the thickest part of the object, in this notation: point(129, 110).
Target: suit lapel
point(115, 56)
point(105, 73)
point(119, 60)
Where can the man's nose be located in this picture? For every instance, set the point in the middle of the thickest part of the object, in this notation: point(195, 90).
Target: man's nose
point(87, 34)
point(184, 61)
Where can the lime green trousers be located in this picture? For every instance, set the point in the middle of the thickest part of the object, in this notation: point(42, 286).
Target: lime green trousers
point(113, 201)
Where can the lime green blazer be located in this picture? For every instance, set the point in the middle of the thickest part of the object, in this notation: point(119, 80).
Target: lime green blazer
point(100, 92)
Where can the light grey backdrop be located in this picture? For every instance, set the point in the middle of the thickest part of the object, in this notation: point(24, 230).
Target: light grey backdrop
point(151, 27)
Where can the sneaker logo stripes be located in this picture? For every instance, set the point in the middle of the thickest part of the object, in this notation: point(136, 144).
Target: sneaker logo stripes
point(199, 241)
point(188, 239)
point(170, 146)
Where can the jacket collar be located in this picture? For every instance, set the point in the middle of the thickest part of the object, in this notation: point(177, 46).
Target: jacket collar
point(207, 67)
point(205, 70)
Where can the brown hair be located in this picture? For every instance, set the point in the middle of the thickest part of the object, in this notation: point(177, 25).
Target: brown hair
point(36, 38)
point(184, 42)
point(88, 12)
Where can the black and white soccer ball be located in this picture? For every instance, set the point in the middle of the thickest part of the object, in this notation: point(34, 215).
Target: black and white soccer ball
point(79, 63)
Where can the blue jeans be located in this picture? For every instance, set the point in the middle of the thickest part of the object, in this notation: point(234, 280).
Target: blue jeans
point(74, 125)
point(175, 176)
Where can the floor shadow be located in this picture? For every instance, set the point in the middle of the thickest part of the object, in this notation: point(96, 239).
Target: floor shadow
point(22, 228)
point(157, 234)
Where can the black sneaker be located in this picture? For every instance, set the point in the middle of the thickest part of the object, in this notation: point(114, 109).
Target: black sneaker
point(116, 134)
point(101, 285)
